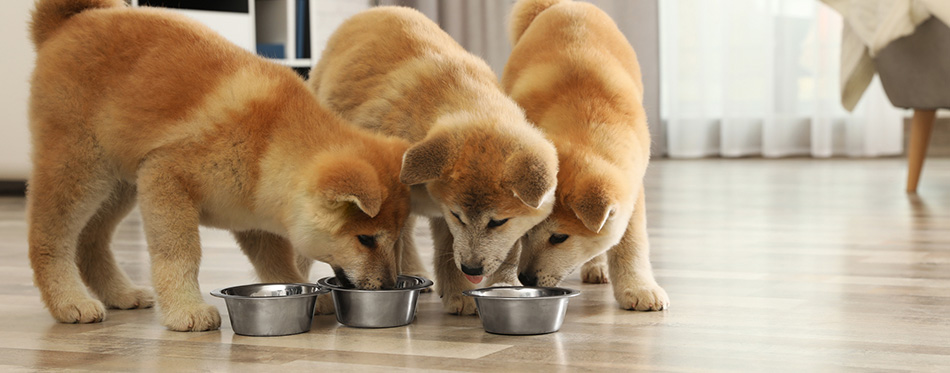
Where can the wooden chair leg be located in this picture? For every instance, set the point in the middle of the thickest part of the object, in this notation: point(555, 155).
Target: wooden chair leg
point(920, 128)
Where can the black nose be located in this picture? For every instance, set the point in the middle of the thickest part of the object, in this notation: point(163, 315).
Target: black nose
point(528, 279)
point(472, 271)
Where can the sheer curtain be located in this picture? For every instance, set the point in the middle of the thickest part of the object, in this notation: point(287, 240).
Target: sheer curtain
point(761, 77)
point(481, 26)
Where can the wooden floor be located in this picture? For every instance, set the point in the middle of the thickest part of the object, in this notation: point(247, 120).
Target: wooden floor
point(771, 265)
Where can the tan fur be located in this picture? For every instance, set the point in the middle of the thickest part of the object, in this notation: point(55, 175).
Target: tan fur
point(393, 70)
point(578, 79)
point(142, 103)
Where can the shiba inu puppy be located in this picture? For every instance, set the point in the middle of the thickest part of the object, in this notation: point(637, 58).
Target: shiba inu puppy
point(578, 79)
point(144, 104)
point(480, 171)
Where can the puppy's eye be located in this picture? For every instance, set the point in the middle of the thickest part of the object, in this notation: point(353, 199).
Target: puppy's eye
point(456, 215)
point(558, 238)
point(367, 240)
point(497, 223)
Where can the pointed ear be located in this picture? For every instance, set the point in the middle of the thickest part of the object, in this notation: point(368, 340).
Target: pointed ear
point(426, 160)
point(531, 178)
point(351, 181)
point(593, 203)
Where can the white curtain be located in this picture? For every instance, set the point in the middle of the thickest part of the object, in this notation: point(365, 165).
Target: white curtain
point(479, 26)
point(761, 77)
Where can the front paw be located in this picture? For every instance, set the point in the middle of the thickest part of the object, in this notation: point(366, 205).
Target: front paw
point(648, 297)
point(132, 297)
point(83, 311)
point(459, 304)
point(324, 305)
point(192, 318)
point(594, 273)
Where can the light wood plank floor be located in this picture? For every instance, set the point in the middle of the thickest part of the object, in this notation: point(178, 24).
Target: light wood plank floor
point(771, 265)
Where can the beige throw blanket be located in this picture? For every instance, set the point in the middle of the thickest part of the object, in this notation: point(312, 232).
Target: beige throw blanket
point(869, 26)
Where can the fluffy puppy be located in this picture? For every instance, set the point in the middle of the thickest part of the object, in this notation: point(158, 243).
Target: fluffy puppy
point(480, 171)
point(578, 79)
point(138, 103)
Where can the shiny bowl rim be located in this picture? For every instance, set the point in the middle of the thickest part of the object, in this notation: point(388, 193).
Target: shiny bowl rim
point(424, 283)
point(568, 293)
point(319, 290)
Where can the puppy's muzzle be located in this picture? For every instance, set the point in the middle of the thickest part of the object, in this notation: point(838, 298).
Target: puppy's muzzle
point(528, 279)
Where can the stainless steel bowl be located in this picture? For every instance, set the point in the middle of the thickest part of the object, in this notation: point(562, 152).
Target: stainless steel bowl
point(521, 310)
point(270, 309)
point(376, 308)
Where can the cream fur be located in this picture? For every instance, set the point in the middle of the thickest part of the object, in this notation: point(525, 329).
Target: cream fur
point(393, 70)
point(578, 79)
point(144, 104)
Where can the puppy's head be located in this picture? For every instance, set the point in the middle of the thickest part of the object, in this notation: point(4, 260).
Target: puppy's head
point(591, 214)
point(352, 212)
point(492, 182)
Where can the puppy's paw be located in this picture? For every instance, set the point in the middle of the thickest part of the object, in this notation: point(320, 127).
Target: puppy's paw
point(645, 297)
point(130, 298)
point(192, 318)
point(324, 305)
point(83, 311)
point(459, 304)
point(594, 274)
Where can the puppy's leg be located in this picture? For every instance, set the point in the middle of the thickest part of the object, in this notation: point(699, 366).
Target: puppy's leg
point(449, 282)
point(409, 262)
point(97, 265)
point(595, 270)
point(507, 272)
point(303, 265)
point(171, 216)
point(324, 304)
point(629, 262)
point(65, 190)
point(273, 258)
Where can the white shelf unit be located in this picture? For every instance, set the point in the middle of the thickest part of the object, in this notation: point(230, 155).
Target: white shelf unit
point(276, 24)
point(238, 27)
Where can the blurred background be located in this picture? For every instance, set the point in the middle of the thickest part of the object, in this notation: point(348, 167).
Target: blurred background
point(723, 78)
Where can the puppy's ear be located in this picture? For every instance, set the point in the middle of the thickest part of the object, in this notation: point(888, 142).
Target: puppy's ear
point(531, 178)
point(593, 202)
point(426, 160)
point(351, 181)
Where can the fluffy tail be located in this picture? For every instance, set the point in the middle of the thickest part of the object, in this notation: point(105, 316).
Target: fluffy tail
point(523, 13)
point(50, 14)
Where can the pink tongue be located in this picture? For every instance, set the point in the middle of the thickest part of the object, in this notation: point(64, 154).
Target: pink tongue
point(474, 279)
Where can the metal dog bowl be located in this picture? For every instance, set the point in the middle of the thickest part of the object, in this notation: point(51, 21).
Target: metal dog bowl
point(521, 310)
point(270, 309)
point(376, 308)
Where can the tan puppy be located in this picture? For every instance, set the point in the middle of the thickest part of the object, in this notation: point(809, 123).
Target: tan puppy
point(578, 79)
point(143, 103)
point(482, 172)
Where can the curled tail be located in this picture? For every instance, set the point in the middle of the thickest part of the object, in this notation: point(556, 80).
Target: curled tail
point(49, 15)
point(523, 13)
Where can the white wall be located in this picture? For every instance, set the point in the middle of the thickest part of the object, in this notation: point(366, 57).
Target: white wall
point(16, 65)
